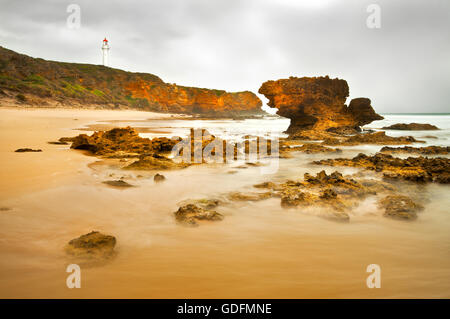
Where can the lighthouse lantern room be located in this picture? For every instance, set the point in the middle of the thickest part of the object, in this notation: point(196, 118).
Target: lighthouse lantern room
point(105, 49)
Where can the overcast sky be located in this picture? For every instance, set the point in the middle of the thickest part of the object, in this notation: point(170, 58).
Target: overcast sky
point(404, 66)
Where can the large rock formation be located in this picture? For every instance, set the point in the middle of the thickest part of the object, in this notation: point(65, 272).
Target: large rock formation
point(28, 81)
point(317, 103)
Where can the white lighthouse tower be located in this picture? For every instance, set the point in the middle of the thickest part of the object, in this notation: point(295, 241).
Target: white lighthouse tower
point(105, 49)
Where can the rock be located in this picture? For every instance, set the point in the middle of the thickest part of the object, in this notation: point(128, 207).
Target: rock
point(118, 183)
point(362, 111)
point(371, 138)
point(24, 150)
point(328, 194)
point(399, 207)
point(313, 148)
point(92, 245)
point(317, 104)
point(159, 178)
point(190, 214)
point(155, 162)
point(336, 216)
point(205, 203)
point(415, 169)
point(428, 150)
point(268, 185)
point(58, 143)
point(122, 142)
point(248, 197)
point(411, 127)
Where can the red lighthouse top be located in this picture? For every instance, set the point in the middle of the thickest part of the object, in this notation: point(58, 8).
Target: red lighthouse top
point(104, 40)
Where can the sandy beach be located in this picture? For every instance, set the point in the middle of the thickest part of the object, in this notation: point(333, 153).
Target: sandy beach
point(259, 250)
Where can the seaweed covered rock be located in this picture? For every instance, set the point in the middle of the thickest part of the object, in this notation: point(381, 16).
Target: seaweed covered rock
point(399, 207)
point(92, 245)
point(191, 214)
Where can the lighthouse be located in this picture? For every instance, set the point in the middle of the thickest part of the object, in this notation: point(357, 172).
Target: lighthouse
point(105, 49)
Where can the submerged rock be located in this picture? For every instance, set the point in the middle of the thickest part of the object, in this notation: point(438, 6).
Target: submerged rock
point(118, 183)
point(250, 197)
point(190, 214)
point(92, 245)
point(411, 127)
point(159, 178)
point(24, 150)
point(58, 143)
point(155, 162)
point(399, 207)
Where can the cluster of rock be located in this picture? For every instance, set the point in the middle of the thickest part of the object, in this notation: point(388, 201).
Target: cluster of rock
point(416, 169)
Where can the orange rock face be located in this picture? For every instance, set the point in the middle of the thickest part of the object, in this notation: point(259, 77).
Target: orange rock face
point(317, 103)
point(172, 98)
point(28, 81)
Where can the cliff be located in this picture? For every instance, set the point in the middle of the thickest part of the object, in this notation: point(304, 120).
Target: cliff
point(318, 104)
point(31, 81)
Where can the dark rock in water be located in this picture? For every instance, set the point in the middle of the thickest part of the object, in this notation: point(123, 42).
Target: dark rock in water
point(159, 178)
point(190, 214)
point(411, 127)
point(92, 245)
point(58, 143)
point(399, 207)
point(24, 150)
point(118, 183)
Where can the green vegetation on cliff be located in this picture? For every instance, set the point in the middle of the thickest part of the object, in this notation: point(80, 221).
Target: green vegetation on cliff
point(33, 81)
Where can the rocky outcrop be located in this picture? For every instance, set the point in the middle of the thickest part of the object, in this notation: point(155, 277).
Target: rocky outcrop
point(92, 245)
point(379, 138)
point(416, 169)
point(27, 150)
point(121, 142)
point(411, 127)
point(191, 214)
point(318, 104)
point(399, 207)
point(28, 81)
point(427, 150)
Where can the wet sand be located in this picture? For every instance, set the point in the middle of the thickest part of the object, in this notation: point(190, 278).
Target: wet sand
point(259, 251)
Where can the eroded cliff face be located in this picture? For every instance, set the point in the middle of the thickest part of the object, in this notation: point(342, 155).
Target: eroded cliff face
point(317, 103)
point(181, 99)
point(29, 81)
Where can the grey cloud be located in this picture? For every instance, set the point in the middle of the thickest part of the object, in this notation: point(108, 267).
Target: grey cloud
point(237, 45)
